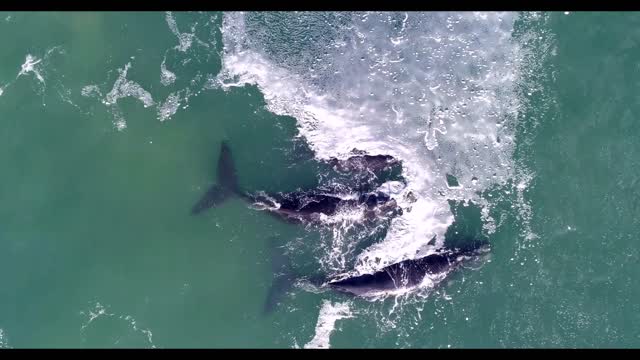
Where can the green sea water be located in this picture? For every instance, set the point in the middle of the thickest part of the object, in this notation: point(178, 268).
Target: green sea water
point(98, 248)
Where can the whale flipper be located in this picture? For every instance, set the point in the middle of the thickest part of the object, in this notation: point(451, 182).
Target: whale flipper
point(227, 183)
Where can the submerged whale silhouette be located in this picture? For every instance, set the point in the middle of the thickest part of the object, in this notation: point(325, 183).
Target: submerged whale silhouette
point(301, 206)
point(226, 186)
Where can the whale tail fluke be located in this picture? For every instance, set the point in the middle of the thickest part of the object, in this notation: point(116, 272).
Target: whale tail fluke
point(226, 186)
point(215, 196)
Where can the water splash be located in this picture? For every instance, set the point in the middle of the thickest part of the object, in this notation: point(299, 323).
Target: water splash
point(435, 90)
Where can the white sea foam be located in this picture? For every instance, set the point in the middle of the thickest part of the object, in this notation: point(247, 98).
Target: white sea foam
point(29, 66)
point(169, 107)
point(435, 90)
point(91, 91)
point(167, 77)
point(329, 314)
point(185, 39)
point(122, 88)
point(183, 53)
point(98, 311)
point(4, 343)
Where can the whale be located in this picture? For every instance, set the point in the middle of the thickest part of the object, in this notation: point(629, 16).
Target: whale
point(399, 277)
point(225, 187)
point(406, 274)
point(363, 162)
point(310, 206)
point(303, 206)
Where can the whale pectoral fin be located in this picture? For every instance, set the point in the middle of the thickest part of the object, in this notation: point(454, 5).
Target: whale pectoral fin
point(215, 196)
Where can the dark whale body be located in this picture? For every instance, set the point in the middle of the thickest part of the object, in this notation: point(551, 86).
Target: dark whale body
point(402, 275)
point(309, 206)
point(364, 163)
point(301, 206)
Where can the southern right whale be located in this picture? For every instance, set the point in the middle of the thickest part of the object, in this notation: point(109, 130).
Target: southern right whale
point(404, 275)
point(310, 205)
point(363, 162)
point(226, 186)
point(304, 206)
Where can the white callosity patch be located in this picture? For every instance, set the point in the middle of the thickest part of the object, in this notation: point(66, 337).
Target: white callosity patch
point(435, 90)
point(329, 314)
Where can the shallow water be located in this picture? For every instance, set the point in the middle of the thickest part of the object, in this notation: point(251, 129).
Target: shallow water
point(110, 130)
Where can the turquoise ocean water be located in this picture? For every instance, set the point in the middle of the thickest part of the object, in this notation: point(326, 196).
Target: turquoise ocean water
point(110, 130)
